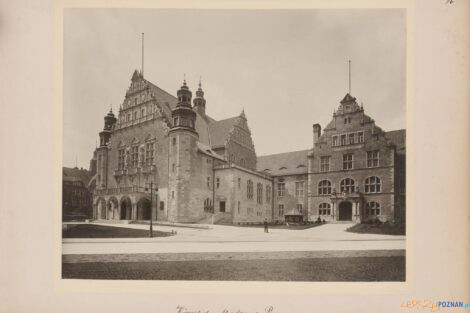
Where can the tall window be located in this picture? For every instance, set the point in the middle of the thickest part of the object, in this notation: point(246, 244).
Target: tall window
point(300, 207)
point(335, 141)
point(174, 141)
point(373, 208)
point(324, 209)
point(372, 184)
point(268, 194)
point(360, 137)
point(121, 157)
point(324, 187)
point(238, 207)
point(348, 161)
point(134, 115)
point(134, 156)
point(208, 182)
point(249, 189)
point(149, 151)
point(347, 185)
point(217, 182)
point(259, 193)
point(325, 163)
point(373, 158)
point(351, 138)
point(343, 140)
point(281, 209)
point(208, 205)
point(281, 189)
point(239, 182)
point(299, 189)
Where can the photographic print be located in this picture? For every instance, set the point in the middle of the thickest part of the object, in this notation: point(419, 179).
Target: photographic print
point(234, 144)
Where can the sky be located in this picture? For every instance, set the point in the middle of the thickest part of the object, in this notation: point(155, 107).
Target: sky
point(288, 69)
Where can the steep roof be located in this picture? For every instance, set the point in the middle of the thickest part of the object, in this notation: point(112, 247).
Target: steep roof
point(165, 99)
point(287, 163)
point(398, 138)
point(211, 132)
point(219, 131)
point(76, 174)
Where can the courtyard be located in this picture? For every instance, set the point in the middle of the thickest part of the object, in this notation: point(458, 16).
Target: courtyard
point(216, 252)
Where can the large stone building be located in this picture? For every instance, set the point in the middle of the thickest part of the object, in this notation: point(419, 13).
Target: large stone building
point(207, 171)
point(76, 197)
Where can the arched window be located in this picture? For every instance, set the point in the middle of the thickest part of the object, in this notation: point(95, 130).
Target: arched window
point(324, 209)
point(249, 189)
point(259, 193)
point(324, 187)
point(373, 208)
point(347, 185)
point(372, 184)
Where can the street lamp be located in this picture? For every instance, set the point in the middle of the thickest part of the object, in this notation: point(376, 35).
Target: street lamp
point(151, 206)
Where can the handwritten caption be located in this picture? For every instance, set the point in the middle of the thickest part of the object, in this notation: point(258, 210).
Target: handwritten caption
point(183, 309)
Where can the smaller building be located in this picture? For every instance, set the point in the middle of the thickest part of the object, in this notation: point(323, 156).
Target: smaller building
point(76, 197)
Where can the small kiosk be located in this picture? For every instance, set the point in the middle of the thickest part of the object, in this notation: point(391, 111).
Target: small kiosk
point(294, 217)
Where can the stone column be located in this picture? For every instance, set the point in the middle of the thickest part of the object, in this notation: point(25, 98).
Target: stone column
point(334, 210)
point(355, 210)
point(359, 211)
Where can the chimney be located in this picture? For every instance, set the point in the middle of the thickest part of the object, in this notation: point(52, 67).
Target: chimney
point(316, 133)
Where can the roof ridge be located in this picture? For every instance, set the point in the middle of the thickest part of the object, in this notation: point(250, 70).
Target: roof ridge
point(296, 151)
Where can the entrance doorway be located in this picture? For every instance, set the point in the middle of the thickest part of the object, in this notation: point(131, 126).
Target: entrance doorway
point(345, 211)
point(143, 209)
point(222, 206)
point(126, 209)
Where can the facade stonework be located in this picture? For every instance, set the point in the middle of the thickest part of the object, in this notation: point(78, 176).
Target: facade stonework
point(207, 171)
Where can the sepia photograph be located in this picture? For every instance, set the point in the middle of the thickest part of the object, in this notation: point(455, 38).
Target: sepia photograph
point(234, 144)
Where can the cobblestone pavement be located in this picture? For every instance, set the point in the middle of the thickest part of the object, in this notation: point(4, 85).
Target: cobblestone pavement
point(390, 268)
point(171, 257)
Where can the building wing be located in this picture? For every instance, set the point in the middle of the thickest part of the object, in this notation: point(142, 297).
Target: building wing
point(289, 163)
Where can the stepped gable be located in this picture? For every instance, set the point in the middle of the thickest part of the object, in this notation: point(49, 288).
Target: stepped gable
point(165, 100)
point(288, 163)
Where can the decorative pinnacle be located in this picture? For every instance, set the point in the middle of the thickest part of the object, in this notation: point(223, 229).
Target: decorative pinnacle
point(200, 77)
point(184, 79)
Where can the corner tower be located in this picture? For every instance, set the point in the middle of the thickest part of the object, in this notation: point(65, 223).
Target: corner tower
point(102, 150)
point(183, 140)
